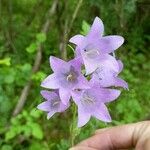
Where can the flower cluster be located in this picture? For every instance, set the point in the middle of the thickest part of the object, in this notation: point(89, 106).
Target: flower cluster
point(89, 91)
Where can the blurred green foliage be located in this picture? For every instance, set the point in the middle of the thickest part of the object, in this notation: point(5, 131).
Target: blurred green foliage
point(20, 36)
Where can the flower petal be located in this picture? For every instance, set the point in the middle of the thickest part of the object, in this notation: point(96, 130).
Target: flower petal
point(108, 44)
point(50, 114)
point(97, 29)
point(77, 40)
point(76, 96)
point(82, 83)
point(121, 83)
point(101, 61)
point(48, 95)
point(102, 113)
point(83, 117)
point(64, 96)
point(50, 82)
point(45, 106)
point(120, 66)
point(56, 63)
point(107, 95)
point(76, 63)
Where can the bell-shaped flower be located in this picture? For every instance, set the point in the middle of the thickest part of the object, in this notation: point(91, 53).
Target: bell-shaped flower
point(53, 104)
point(66, 77)
point(91, 102)
point(94, 48)
point(105, 76)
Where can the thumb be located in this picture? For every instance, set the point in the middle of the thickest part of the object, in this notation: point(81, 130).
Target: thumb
point(121, 137)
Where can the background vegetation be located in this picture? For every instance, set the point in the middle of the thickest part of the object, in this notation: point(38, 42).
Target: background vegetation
point(31, 31)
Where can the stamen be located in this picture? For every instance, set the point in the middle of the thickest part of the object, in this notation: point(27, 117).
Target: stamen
point(70, 77)
point(92, 53)
point(55, 103)
point(88, 100)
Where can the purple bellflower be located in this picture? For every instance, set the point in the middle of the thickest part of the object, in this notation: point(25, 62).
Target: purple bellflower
point(53, 104)
point(66, 77)
point(93, 51)
point(94, 48)
point(106, 77)
point(91, 102)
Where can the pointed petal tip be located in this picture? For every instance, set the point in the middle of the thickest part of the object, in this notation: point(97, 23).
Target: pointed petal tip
point(97, 19)
point(42, 92)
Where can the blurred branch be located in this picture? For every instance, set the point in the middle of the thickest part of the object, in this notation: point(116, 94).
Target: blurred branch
point(33, 13)
point(37, 62)
point(74, 15)
point(67, 30)
point(9, 33)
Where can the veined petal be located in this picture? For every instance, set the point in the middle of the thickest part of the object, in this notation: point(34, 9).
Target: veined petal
point(97, 29)
point(121, 83)
point(82, 83)
point(56, 63)
point(45, 106)
point(90, 65)
point(107, 95)
point(101, 61)
point(102, 113)
point(108, 61)
point(83, 117)
point(108, 44)
point(120, 66)
point(77, 40)
point(48, 95)
point(65, 95)
point(50, 114)
point(50, 82)
point(76, 95)
point(76, 63)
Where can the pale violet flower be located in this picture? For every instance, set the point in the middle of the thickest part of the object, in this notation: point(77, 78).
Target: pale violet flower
point(66, 77)
point(94, 48)
point(107, 77)
point(53, 104)
point(91, 102)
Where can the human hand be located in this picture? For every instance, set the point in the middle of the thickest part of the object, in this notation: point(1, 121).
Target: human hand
point(135, 135)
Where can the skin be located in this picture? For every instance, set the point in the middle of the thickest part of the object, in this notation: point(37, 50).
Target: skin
point(123, 137)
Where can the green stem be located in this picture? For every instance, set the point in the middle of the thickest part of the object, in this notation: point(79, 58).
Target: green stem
point(73, 127)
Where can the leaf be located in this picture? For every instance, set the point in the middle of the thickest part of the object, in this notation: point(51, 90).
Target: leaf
point(9, 79)
point(10, 134)
point(41, 37)
point(6, 147)
point(39, 76)
point(32, 48)
point(5, 61)
point(35, 113)
point(36, 131)
point(26, 130)
point(85, 28)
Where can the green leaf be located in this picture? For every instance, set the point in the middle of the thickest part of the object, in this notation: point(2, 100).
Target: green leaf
point(85, 28)
point(35, 113)
point(41, 37)
point(10, 134)
point(36, 130)
point(5, 61)
point(39, 76)
point(32, 48)
point(9, 79)
point(6, 147)
point(26, 130)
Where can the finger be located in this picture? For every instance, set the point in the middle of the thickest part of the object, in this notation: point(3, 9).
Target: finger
point(121, 137)
point(82, 148)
